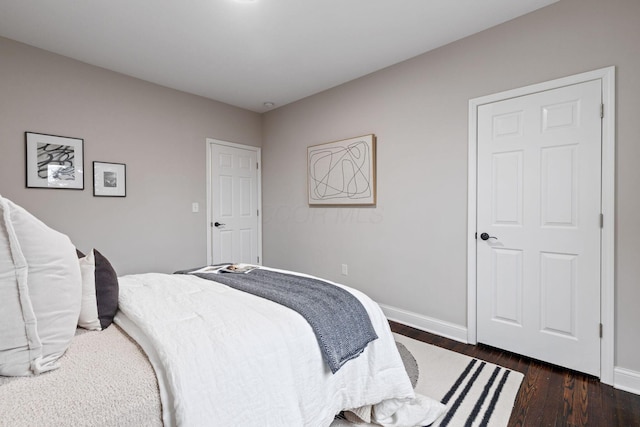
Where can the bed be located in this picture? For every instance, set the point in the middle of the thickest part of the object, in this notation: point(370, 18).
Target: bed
point(182, 350)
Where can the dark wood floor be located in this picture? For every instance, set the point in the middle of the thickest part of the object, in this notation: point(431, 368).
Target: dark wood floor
point(549, 396)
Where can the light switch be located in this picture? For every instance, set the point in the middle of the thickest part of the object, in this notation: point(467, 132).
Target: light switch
point(195, 207)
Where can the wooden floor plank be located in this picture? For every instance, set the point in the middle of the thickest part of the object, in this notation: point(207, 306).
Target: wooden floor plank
point(549, 395)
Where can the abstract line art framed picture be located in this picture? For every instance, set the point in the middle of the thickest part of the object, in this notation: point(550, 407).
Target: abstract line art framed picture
point(342, 172)
point(54, 161)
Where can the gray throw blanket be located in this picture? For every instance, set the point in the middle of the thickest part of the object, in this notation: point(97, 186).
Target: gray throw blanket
point(340, 322)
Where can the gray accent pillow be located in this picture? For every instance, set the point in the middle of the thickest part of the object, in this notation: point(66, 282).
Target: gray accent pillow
point(100, 291)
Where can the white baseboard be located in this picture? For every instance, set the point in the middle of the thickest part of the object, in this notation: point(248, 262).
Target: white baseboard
point(623, 379)
point(627, 380)
point(427, 324)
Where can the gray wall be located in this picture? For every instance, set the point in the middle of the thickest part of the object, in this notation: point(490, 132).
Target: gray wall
point(409, 251)
point(158, 132)
point(418, 110)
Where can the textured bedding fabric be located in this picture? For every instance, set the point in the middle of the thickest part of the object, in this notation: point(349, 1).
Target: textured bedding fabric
point(229, 358)
point(340, 322)
point(104, 379)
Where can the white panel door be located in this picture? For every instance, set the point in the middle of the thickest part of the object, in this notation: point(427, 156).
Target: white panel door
point(234, 205)
point(538, 223)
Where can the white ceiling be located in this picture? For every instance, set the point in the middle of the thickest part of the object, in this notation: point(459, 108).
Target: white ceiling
point(245, 54)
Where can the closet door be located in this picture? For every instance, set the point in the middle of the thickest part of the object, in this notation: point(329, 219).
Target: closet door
point(539, 225)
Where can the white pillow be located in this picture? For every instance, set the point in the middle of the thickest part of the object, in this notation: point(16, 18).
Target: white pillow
point(89, 309)
point(40, 291)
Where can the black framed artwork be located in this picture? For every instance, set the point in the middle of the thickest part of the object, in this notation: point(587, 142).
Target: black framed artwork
point(54, 161)
point(109, 179)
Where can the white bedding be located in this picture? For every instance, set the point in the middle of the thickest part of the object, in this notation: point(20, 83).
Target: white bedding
point(227, 358)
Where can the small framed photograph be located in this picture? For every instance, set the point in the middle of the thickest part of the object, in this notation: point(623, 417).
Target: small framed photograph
point(109, 179)
point(54, 161)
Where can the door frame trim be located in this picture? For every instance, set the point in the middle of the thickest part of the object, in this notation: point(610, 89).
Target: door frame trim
point(210, 142)
point(607, 241)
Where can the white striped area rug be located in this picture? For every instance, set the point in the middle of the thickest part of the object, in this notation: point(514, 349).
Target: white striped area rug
point(476, 393)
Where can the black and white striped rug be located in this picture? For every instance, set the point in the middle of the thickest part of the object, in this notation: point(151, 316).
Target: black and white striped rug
point(476, 393)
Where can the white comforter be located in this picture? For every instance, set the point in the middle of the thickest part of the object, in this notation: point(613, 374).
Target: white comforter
point(227, 358)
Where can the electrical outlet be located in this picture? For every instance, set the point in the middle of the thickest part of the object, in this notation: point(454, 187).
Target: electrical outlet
point(345, 270)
